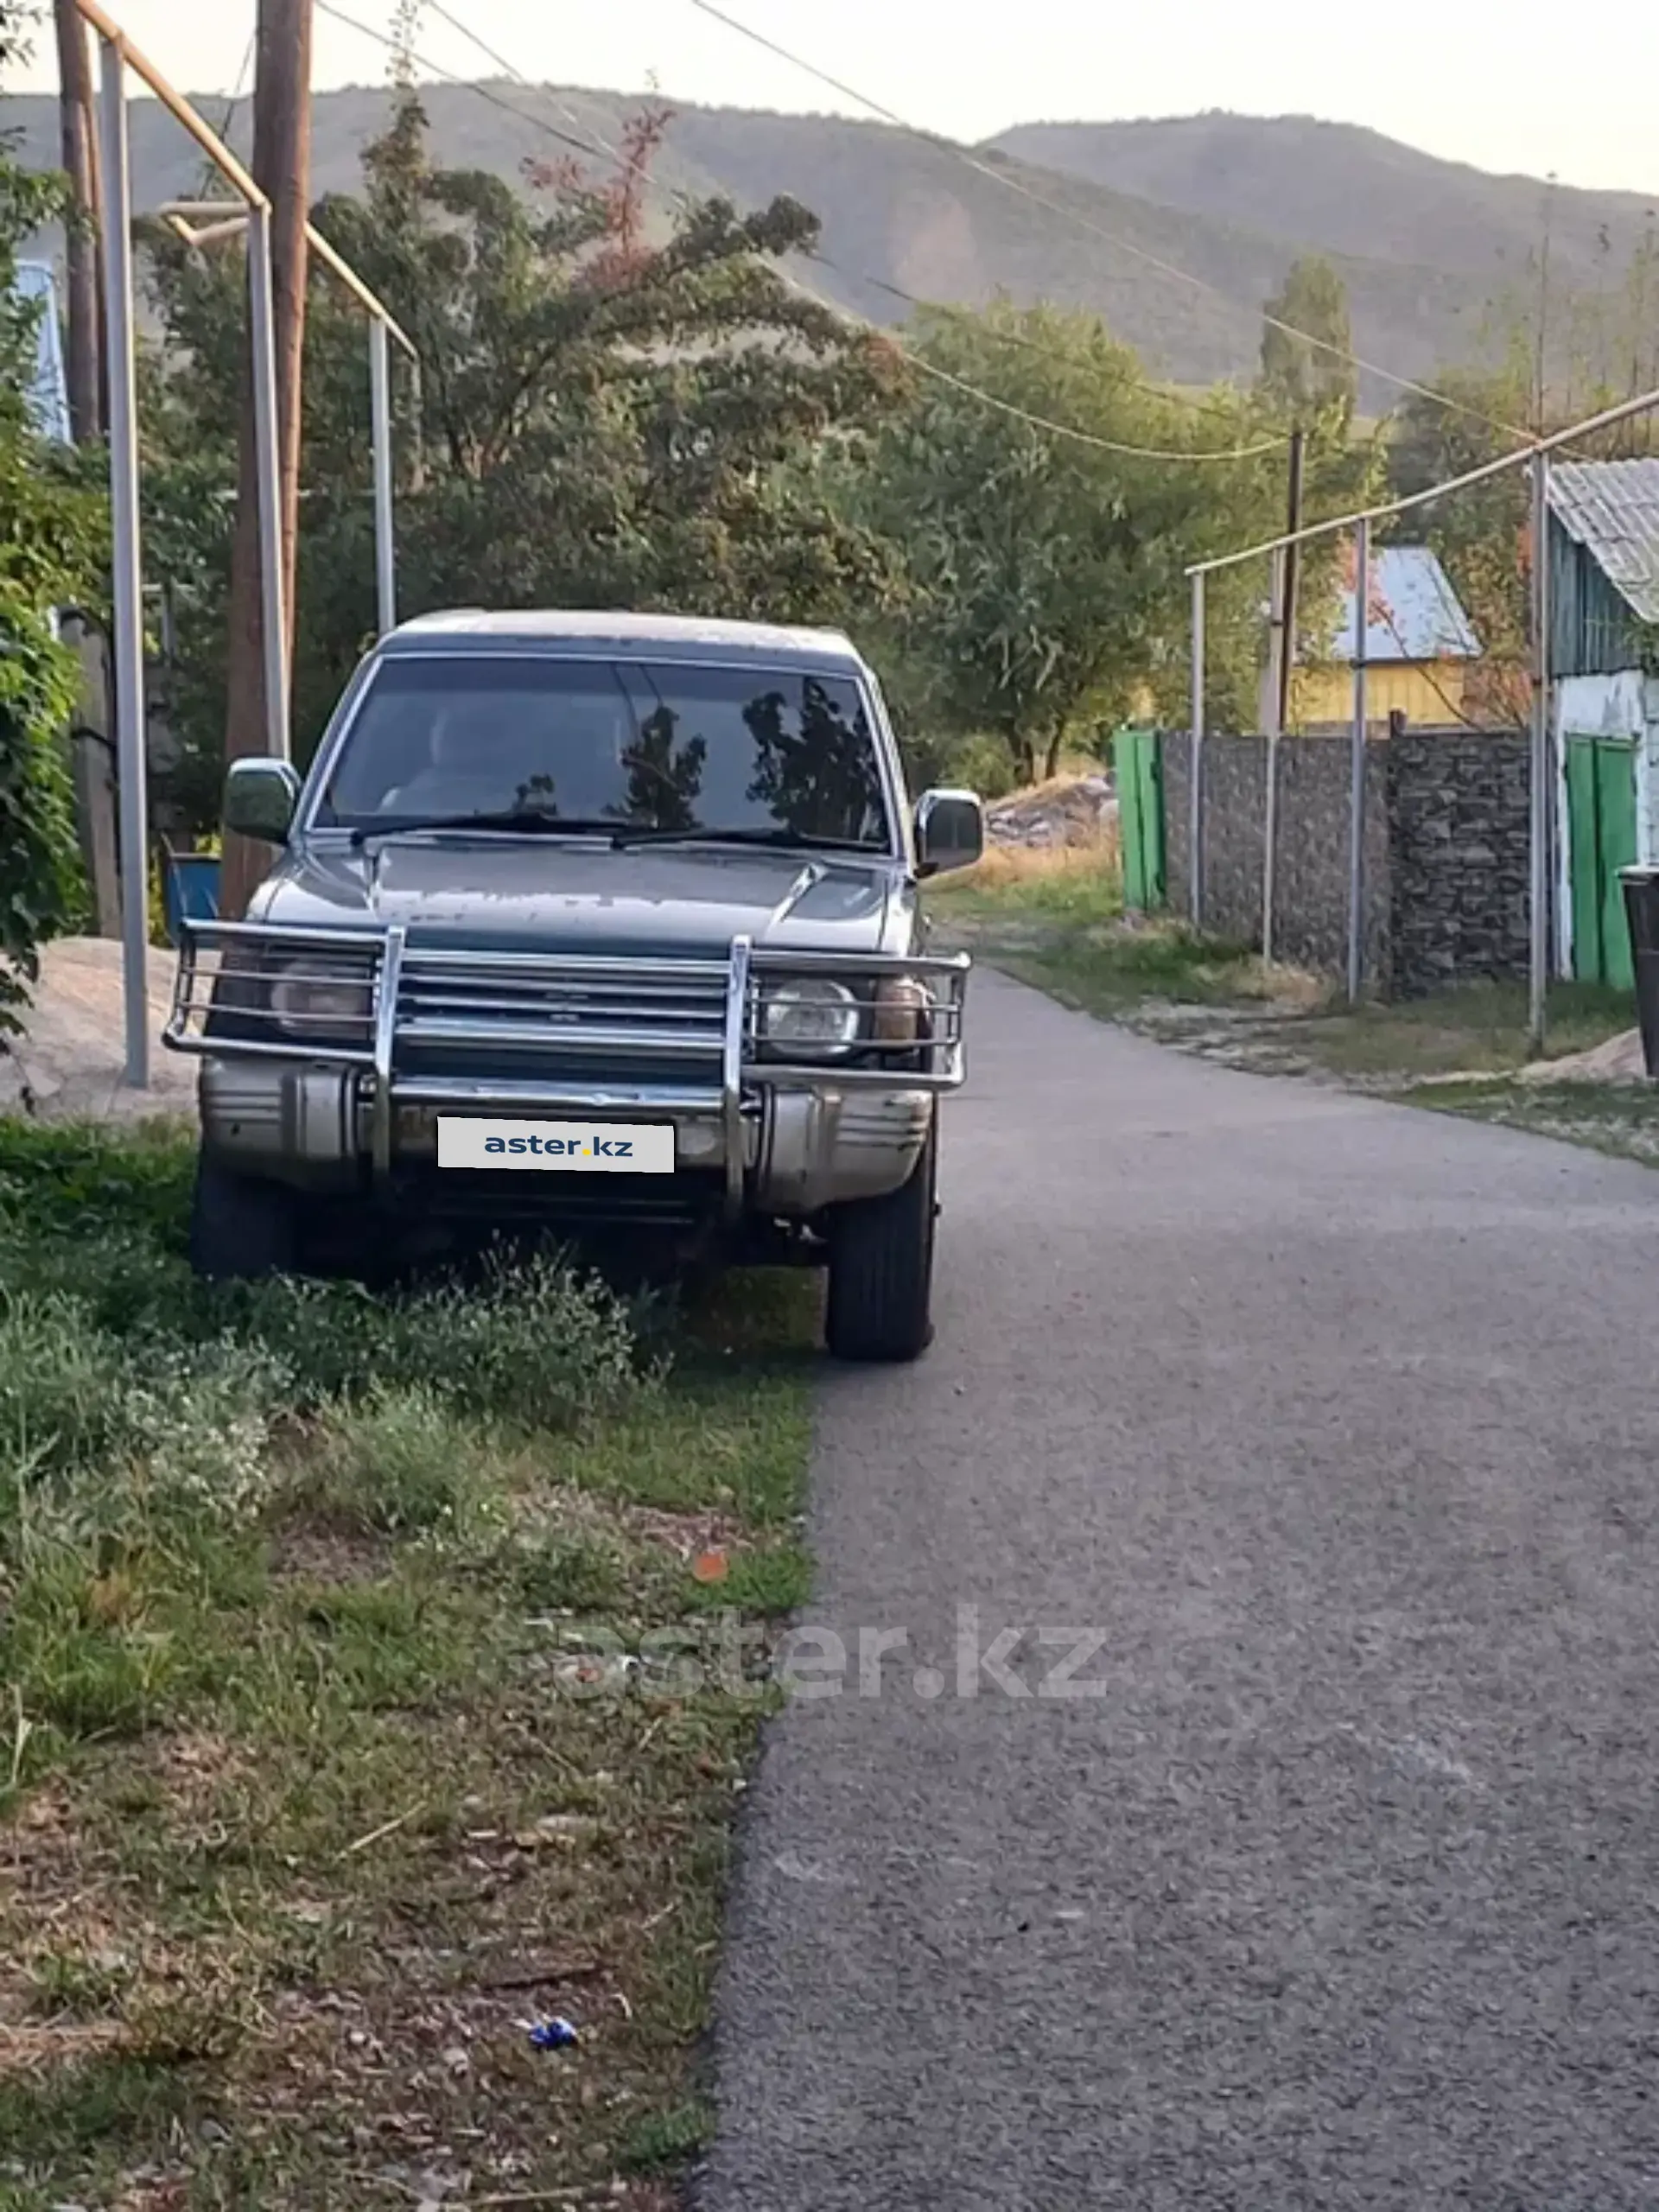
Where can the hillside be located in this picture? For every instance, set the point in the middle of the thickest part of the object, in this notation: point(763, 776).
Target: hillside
point(1227, 200)
point(1346, 190)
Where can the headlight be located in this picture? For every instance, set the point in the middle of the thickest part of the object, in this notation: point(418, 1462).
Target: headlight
point(326, 999)
point(813, 1019)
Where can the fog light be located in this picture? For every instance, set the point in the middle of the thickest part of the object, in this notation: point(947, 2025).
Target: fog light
point(901, 1003)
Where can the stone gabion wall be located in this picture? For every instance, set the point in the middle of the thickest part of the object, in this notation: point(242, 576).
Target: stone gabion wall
point(1311, 903)
point(1445, 851)
point(1459, 808)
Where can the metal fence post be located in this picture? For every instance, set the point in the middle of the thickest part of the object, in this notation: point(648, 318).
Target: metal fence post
point(126, 564)
point(1195, 765)
point(1357, 767)
point(385, 543)
point(1270, 797)
point(1538, 979)
point(273, 621)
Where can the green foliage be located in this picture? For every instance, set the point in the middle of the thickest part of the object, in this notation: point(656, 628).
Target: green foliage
point(1553, 360)
point(151, 1427)
point(604, 421)
point(1047, 591)
point(1305, 380)
point(50, 536)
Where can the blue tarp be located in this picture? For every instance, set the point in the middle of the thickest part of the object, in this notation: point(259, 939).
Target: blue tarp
point(190, 890)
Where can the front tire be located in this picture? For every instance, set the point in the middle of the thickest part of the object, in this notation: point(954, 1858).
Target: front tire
point(880, 1304)
point(242, 1228)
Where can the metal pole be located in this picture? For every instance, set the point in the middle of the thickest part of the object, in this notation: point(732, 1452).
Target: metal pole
point(1195, 767)
point(273, 621)
point(1357, 768)
point(1273, 694)
point(126, 569)
point(385, 544)
point(1539, 977)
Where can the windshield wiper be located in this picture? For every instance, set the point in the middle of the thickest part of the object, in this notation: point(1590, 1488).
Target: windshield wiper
point(784, 840)
point(530, 821)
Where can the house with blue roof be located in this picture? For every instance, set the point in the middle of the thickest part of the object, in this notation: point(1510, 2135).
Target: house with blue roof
point(1420, 646)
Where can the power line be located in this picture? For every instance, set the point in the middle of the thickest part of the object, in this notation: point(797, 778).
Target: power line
point(599, 145)
point(450, 76)
point(1084, 438)
point(916, 361)
point(1000, 176)
point(1029, 345)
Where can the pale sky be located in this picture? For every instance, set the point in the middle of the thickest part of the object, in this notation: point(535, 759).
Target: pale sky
point(1463, 79)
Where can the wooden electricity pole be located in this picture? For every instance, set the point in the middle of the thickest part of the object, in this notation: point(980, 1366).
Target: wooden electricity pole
point(281, 167)
point(93, 759)
point(78, 145)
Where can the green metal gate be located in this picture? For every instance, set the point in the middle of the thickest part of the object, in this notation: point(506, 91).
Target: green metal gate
point(1137, 758)
point(1601, 832)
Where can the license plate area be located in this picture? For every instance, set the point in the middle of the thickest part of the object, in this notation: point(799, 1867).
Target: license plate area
point(561, 1147)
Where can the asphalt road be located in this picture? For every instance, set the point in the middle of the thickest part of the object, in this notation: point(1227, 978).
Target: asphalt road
point(1336, 1422)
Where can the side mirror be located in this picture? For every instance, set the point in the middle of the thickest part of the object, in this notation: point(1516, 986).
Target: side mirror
point(950, 830)
point(259, 799)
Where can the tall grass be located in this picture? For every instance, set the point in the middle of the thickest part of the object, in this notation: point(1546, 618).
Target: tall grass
point(153, 1430)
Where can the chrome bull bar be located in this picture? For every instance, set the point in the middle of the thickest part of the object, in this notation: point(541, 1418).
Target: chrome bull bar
point(674, 1036)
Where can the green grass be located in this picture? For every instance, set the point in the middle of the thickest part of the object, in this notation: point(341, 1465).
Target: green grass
point(1476, 1028)
point(1063, 934)
point(1010, 892)
point(1157, 975)
point(1621, 1120)
point(307, 1798)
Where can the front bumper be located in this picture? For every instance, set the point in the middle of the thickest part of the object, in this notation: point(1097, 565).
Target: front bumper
point(517, 1034)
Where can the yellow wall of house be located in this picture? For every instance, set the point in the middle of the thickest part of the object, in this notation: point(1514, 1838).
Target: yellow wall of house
point(1425, 692)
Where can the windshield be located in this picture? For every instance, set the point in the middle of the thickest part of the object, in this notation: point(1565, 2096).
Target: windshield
point(652, 747)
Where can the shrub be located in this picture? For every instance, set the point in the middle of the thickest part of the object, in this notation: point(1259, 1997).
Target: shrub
point(534, 1345)
point(398, 1463)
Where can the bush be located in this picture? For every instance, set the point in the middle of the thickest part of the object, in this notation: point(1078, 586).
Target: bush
point(398, 1463)
point(533, 1344)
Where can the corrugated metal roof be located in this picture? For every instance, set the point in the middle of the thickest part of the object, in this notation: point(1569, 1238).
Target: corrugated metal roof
point(1611, 508)
point(1413, 613)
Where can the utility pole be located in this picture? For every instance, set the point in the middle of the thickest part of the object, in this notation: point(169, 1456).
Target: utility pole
point(1292, 577)
point(1281, 655)
point(93, 753)
point(84, 349)
point(281, 167)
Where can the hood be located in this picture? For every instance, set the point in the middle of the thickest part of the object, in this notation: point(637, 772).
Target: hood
point(536, 894)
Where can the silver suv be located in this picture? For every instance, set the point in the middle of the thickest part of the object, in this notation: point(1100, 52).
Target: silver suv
point(588, 922)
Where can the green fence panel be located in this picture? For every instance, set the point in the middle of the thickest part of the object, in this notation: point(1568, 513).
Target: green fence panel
point(1138, 763)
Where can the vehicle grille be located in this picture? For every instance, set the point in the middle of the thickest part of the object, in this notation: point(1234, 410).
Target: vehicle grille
point(526, 1016)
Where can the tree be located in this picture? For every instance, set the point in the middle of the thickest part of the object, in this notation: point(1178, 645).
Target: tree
point(605, 421)
point(1599, 348)
point(51, 527)
point(1046, 576)
point(1303, 381)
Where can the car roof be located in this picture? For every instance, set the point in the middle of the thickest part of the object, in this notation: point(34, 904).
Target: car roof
point(670, 637)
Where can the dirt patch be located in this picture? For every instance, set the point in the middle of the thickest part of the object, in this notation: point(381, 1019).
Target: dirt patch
point(68, 1064)
point(1619, 1060)
point(1067, 811)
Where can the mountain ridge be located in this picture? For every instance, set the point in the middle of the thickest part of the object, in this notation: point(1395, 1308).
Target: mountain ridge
point(1230, 200)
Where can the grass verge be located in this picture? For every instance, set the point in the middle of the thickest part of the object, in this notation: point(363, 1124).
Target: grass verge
point(1621, 1120)
point(1057, 924)
point(378, 1678)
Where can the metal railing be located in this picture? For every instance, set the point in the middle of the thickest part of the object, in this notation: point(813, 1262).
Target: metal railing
point(437, 1025)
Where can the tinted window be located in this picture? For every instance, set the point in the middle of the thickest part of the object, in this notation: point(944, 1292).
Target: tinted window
point(652, 746)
